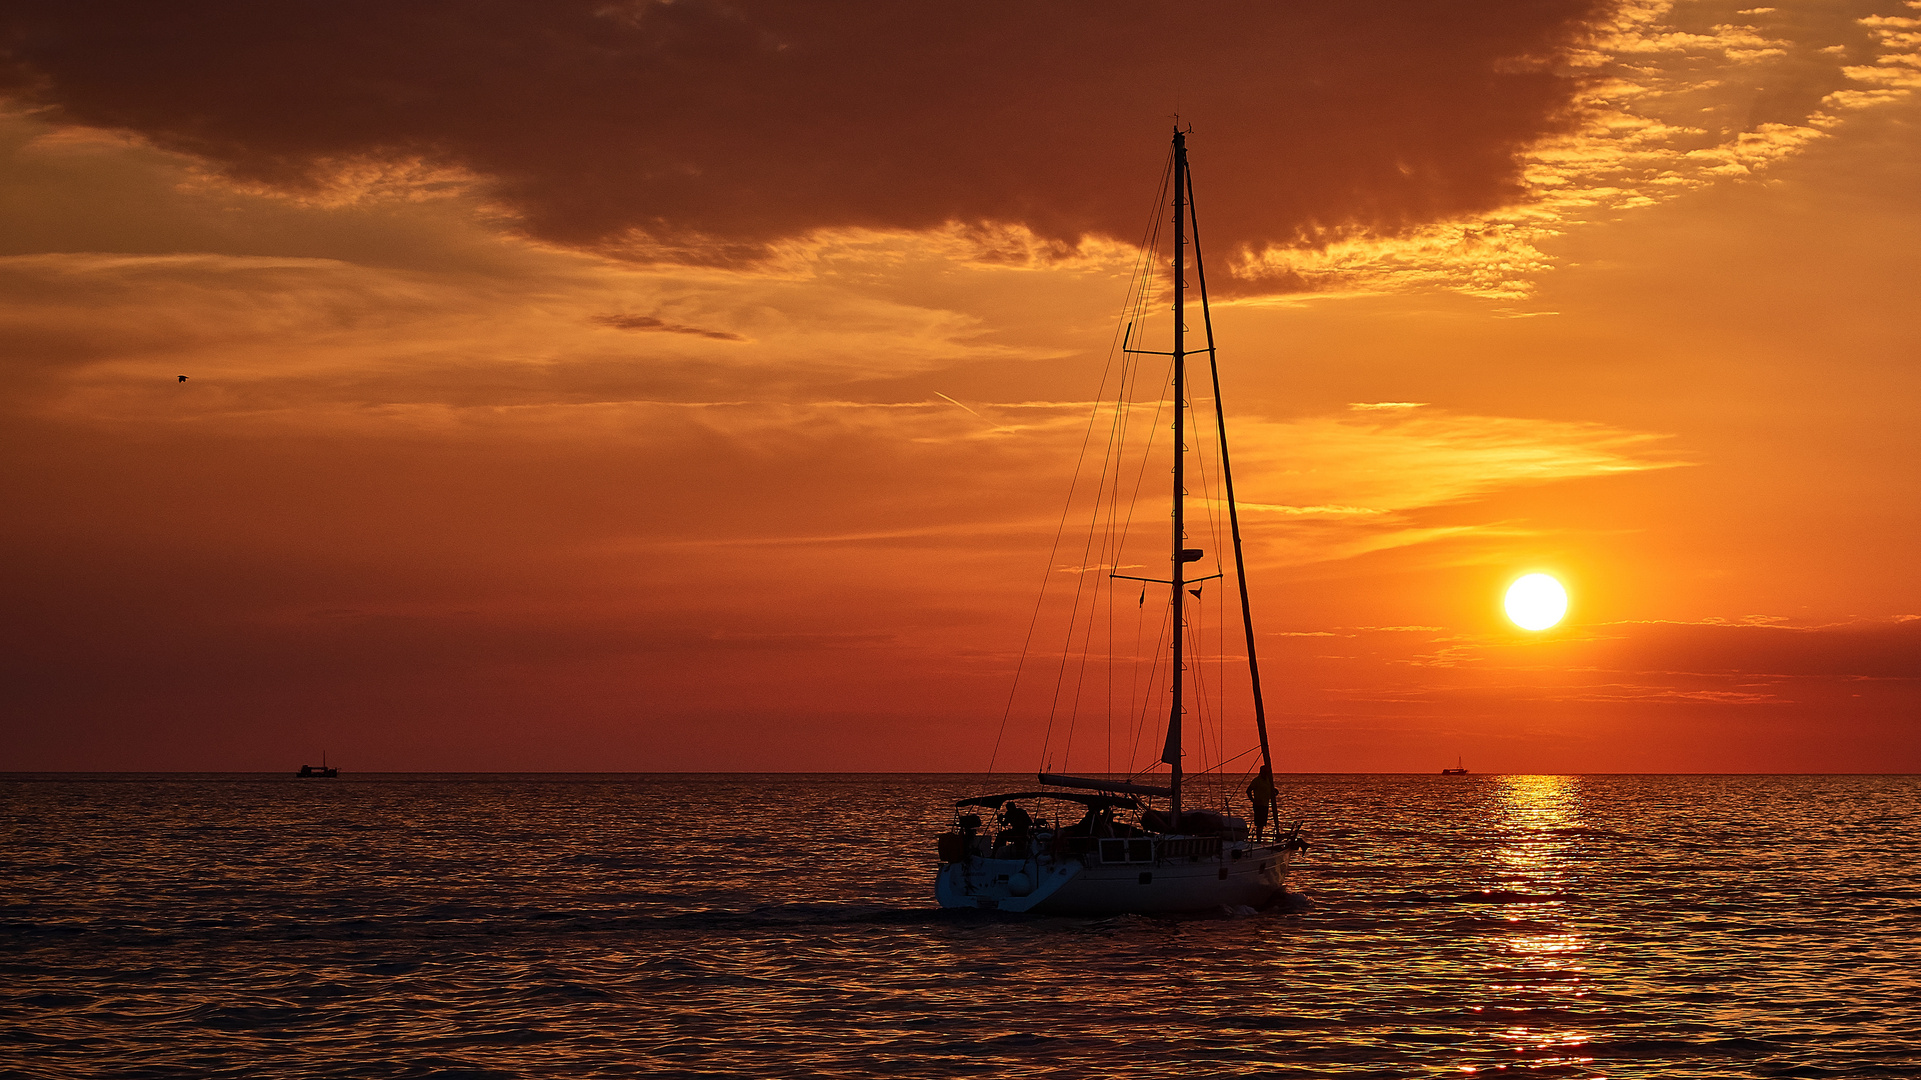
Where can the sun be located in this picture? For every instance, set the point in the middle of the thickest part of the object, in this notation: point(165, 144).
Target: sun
point(1536, 602)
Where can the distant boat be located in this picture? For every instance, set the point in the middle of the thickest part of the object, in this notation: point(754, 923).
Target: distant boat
point(1457, 770)
point(320, 771)
point(1179, 859)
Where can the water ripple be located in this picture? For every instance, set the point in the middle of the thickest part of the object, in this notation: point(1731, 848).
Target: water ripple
point(400, 927)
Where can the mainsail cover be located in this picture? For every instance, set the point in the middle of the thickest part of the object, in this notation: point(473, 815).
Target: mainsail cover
point(1088, 783)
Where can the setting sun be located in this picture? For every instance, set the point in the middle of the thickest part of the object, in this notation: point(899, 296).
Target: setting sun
point(1536, 602)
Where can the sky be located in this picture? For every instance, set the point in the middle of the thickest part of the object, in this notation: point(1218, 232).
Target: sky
point(589, 386)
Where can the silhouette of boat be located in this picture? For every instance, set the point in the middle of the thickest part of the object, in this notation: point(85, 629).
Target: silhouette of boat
point(320, 771)
point(1457, 770)
point(1126, 855)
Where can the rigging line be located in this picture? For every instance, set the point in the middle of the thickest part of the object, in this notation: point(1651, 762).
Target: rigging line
point(1148, 695)
point(1087, 642)
point(1114, 539)
point(1147, 454)
point(1108, 461)
point(1060, 531)
point(1112, 464)
point(1211, 517)
point(1115, 536)
point(1147, 266)
point(1047, 576)
point(1116, 439)
point(1220, 665)
point(1152, 231)
point(1134, 502)
point(1119, 441)
point(1142, 313)
point(1205, 707)
point(1080, 586)
point(1146, 274)
point(1205, 694)
point(1222, 767)
point(1073, 620)
point(1212, 719)
point(1134, 683)
point(1147, 692)
point(1216, 714)
point(1117, 546)
point(1227, 474)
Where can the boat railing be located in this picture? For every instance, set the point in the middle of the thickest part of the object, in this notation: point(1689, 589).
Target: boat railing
point(1190, 847)
point(956, 847)
point(1141, 849)
point(1130, 850)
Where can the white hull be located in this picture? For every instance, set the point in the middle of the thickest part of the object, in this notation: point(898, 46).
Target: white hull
point(1240, 875)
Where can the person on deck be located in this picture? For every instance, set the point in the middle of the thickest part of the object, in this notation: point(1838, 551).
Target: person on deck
point(1018, 821)
point(1261, 791)
point(1098, 822)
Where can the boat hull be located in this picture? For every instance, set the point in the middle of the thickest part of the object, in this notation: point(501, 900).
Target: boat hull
point(1250, 876)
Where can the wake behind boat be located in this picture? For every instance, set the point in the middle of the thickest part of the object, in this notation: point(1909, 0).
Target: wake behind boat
point(1137, 844)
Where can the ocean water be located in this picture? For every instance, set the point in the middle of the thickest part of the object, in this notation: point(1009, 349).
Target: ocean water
point(783, 926)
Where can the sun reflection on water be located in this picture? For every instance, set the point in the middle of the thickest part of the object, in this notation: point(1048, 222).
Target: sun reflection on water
point(1536, 815)
point(1538, 971)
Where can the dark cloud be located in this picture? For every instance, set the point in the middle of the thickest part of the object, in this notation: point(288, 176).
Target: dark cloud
point(1869, 649)
point(649, 322)
point(702, 131)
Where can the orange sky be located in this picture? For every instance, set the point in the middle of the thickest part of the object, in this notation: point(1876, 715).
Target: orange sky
point(573, 386)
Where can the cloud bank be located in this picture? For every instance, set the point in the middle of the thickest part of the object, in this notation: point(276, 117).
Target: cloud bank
point(706, 131)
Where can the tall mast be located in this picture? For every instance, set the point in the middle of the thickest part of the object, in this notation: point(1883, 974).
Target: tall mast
point(1172, 753)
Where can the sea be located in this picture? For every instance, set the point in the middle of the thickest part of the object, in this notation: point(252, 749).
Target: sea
point(501, 926)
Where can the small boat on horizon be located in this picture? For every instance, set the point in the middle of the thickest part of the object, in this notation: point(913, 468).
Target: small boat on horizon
point(321, 771)
point(1125, 855)
point(1457, 770)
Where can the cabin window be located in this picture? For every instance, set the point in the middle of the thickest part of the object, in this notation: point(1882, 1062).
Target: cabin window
point(1138, 849)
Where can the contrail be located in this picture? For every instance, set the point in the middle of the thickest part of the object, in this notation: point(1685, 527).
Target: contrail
point(938, 394)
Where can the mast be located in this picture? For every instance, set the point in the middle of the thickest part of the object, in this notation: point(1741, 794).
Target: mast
point(1227, 476)
point(1172, 753)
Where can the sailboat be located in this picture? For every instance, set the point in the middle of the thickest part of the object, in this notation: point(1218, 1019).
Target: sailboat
point(1140, 846)
point(1457, 770)
point(320, 771)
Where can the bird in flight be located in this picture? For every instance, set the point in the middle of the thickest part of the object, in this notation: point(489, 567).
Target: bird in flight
point(183, 378)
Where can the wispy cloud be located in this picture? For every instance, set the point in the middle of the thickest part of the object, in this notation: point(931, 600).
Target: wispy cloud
point(1710, 662)
point(650, 322)
point(1337, 486)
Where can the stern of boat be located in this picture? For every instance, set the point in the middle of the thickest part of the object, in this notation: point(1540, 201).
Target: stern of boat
point(990, 884)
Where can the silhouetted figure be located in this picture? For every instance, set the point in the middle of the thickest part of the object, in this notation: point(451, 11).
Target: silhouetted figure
point(1018, 822)
point(1261, 792)
point(183, 378)
point(1098, 822)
